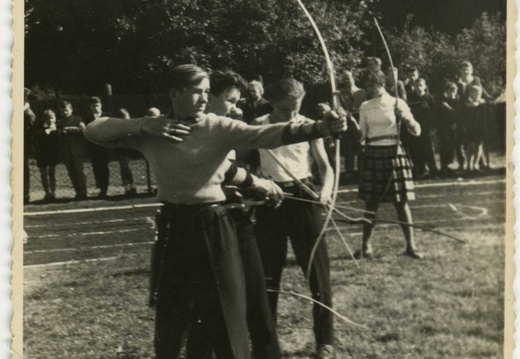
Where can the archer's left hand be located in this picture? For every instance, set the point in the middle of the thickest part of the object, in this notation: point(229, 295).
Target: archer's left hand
point(326, 197)
point(334, 122)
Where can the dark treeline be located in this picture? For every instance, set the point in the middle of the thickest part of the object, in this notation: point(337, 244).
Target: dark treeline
point(75, 46)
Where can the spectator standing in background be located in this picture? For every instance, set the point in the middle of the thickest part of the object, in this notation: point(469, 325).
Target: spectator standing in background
point(351, 98)
point(255, 105)
point(29, 118)
point(422, 107)
point(475, 129)
point(391, 76)
point(465, 82)
point(123, 156)
point(448, 118)
point(412, 74)
point(98, 154)
point(47, 154)
point(73, 148)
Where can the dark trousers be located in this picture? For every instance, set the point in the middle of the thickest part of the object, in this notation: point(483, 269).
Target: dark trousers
point(26, 178)
point(74, 165)
point(259, 319)
point(422, 154)
point(302, 223)
point(450, 147)
point(351, 149)
point(127, 178)
point(99, 158)
point(201, 279)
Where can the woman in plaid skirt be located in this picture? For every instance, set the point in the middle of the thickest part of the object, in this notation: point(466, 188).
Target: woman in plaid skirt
point(386, 174)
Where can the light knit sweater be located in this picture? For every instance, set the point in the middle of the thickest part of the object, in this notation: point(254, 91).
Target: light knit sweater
point(192, 171)
point(377, 118)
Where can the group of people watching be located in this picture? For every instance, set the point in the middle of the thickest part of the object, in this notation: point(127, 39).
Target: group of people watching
point(458, 114)
point(58, 137)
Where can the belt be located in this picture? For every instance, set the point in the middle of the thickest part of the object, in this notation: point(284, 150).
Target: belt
point(200, 207)
point(307, 181)
point(384, 137)
point(187, 208)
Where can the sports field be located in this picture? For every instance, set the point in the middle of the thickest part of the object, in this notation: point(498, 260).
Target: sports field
point(87, 266)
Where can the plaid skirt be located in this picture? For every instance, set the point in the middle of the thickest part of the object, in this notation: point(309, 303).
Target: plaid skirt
point(386, 175)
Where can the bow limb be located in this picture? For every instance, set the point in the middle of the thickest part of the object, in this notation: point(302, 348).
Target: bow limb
point(335, 106)
point(396, 94)
point(330, 65)
point(387, 49)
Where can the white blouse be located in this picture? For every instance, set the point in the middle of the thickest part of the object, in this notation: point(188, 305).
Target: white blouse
point(377, 118)
point(296, 158)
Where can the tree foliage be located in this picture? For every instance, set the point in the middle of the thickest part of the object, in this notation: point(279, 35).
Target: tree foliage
point(438, 55)
point(77, 45)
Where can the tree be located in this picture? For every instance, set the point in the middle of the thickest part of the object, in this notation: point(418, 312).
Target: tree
point(438, 55)
point(76, 45)
point(484, 45)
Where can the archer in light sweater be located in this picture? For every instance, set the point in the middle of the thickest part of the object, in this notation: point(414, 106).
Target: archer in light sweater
point(202, 275)
point(386, 172)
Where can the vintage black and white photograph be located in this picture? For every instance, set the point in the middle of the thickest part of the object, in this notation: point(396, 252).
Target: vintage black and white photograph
point(264, 179)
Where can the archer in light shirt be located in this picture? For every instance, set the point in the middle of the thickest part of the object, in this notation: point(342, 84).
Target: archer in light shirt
point(296, 218)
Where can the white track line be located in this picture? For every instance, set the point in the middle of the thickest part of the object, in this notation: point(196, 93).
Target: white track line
point(70, 262)
point(388, 225)
point(487, 193)
point(52, 225)
point(442, 184)
point(117, 257)
point(87, 248)
point(148, 205)
point(100, 233)
point(97, 209)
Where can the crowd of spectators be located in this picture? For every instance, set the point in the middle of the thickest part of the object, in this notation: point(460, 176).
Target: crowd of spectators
point(57, 137)
point(458, 115)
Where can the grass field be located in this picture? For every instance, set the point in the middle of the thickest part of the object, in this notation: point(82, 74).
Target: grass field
point(449, 305)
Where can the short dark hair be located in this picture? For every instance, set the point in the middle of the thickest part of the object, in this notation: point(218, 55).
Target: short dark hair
point(64, 104)
point(465, 64)
point(185, 75)
point(374, 78)
point(122, 113)
point(225, 80)
point(48, 111)
point(285, 89)
point(420, 79)
point(450, 85)
point(376, 60)
point(94, 100)
point(412, 69)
